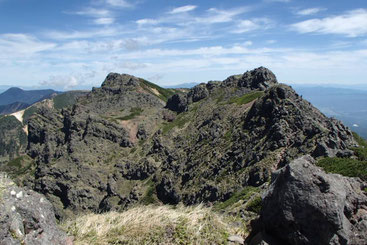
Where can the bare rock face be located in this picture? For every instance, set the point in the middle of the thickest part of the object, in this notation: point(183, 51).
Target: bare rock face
point(304, 205)
point(260, 78)
point(27, 217)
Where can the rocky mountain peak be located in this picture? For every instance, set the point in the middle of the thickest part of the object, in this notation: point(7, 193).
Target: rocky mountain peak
point(260, 78)
point(116, 81)
point(122, 136)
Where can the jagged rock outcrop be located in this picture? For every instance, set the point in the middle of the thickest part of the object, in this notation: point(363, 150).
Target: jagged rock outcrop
point(27, 217)
point(260, 78)
point(304, 205)
point(178, 103)
point(284, 119)
point(122, 143)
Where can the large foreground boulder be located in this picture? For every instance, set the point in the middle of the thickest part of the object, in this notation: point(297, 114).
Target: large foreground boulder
point(304, 205)
point(27, 217)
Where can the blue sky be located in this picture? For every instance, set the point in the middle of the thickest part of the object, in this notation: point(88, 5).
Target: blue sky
point(74, 44)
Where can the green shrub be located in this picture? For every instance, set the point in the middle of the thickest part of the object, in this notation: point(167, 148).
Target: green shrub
point(164, 94)
point(361, 153)
point(134, 112)
point(244, 194)
point(361, 142)
point(244, 99)
point(18, 166)
point(28, 113)
point(344, 166)
point(254, 204)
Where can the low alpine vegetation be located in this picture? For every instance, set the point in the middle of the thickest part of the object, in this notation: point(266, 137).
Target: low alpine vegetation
point(152, 225)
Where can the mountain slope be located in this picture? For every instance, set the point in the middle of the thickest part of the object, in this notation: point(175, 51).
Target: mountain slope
point(10, 108)
point(124, 144)
point(13, 95)
point(14, 127)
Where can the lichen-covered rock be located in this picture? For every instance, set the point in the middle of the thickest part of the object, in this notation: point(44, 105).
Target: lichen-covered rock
point(304, 205)
point(27, 217)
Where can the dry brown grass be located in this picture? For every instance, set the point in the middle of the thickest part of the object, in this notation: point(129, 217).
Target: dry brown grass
point(152, 225)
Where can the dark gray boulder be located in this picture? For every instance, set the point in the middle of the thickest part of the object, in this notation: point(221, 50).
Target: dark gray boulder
point(27, 217)
point(197, 93)
point(304, 205)
point(178, 103)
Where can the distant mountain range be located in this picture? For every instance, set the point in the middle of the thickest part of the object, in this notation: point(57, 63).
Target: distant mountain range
point(183, 85)
point(14, 94)
point(347, 105)
point(15, 99)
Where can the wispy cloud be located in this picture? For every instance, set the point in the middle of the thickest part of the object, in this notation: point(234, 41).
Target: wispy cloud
point(17, 44)
point(147, 22)
point(66, 82)
point(253, 24)
point(119, 3)
point(94, 12)
point(183, 9)
point(310, 11)
point(104, 21)
point(351, 24)
point(84, 34)
point(221, 16)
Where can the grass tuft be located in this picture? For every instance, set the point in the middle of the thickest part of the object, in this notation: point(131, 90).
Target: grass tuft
point(247, 98)
point(152, 225)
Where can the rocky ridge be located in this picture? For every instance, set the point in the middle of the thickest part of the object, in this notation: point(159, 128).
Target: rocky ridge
point(131, 142)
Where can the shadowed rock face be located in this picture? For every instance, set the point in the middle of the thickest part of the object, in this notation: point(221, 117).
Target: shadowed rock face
point(304, 205)
point(122, 144)
point(27, 217)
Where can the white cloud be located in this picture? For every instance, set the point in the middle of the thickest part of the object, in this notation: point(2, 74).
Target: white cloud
point(119, 3)
point(351, 24)
point(251, 25)
point(93, 33)
point(94, 12)
point(147, 22)
point(221, 16)
point(104, 21)
point(66, 82)
point(18, 44)
point(183, 9)
point(309, 11)
point(248, 43)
